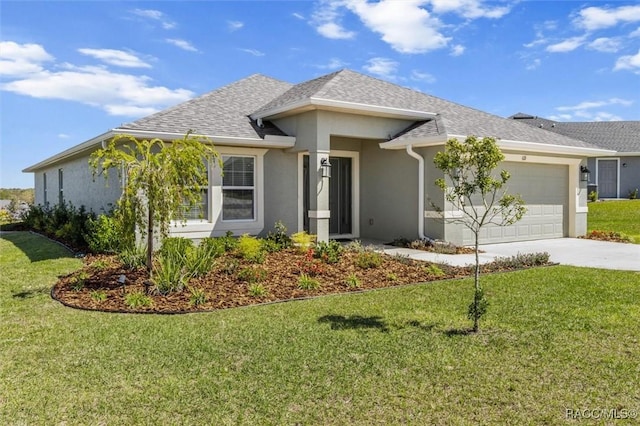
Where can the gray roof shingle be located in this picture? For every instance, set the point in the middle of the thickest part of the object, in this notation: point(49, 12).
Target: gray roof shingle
point(456, 119)
point(621, 136)
point(222, 112)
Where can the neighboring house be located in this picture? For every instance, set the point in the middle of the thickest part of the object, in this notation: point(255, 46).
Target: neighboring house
point(380, 139)
point(612, 176)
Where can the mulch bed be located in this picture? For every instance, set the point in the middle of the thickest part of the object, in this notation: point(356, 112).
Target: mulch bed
point(225, 289)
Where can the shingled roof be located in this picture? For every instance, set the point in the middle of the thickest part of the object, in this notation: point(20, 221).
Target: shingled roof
point(222, 112)
point(621, 136)
point(454, 119)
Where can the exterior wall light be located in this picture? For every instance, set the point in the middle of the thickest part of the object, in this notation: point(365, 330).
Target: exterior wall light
point(325, 166)
point(584, 174)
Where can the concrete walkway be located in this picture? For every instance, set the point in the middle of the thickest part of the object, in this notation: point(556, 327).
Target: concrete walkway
point(566, 251)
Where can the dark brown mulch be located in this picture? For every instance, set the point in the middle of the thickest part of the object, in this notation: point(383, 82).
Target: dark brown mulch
point(224, 288)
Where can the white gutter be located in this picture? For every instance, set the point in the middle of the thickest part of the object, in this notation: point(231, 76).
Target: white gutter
point(269, 141)
point(420, 159)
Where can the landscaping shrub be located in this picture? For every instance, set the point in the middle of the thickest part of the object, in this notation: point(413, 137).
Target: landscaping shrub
point(252, 275)
point(303, 241)
point(250, 249)
point(592, 196)
point(520, 260)
point(62, 221)
point(434, 270)
point(633, 194)
point(618, 237)
point(137, 299)
point(133, 257)
point(352, 281)
point(104, 234)
point(170, 273)
point(328, 252)
point(99, 295)
point(229, 242)
point(278, 239)
point(200, 259)
point(197, 297)
point(216, 246)
point(257, 290)
point(369, 259)
point(305, 282)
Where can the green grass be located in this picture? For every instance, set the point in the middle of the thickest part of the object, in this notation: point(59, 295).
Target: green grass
point(619, 216)
point(554, 338)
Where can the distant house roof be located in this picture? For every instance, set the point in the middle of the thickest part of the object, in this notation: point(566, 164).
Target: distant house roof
point(621, 136)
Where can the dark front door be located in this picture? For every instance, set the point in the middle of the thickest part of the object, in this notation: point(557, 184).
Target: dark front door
point(608, 178)
point(340, 202)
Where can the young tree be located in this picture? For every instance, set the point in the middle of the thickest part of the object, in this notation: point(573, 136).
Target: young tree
point(160, 179)
point(471, 185)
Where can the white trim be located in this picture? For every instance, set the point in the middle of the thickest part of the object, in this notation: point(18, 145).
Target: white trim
point(415, 142)
point(355, 190)
point(617, 160)
point(313, 103)
point(320, 214)
point(542, 159)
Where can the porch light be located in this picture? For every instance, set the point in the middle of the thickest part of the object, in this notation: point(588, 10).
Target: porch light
point(325, 166)
point(584, 174)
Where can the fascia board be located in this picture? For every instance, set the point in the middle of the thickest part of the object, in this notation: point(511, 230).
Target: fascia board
point(270, 141)
point(415, 142)
point(343, 106)
point(545, 148)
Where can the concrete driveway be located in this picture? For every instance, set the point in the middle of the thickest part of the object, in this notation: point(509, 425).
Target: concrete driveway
point(566, 251)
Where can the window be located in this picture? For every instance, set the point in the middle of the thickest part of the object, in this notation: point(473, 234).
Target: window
point(44, 187)
point(199, 211)
point(238, 188)
point(60, 188)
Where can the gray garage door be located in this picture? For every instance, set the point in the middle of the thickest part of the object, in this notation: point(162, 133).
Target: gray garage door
point(544, 189)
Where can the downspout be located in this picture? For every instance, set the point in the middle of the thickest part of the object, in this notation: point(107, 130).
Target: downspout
point(420, 159)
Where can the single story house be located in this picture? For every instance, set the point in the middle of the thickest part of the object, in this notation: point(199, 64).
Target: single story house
point(277, 140)
point(612, 176)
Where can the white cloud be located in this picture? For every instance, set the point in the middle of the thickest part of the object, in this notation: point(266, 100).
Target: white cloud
point(628, 62)
point(382, 67)
point(115, 93)
point(635, 33)
point(327, 20)
point(605, 44)
point(567, 45)
point(595, 18)
point(533, 64)
point(540, 30)
point(457, 50)
point(63, 136)
point(404, 25)
point(234, 25)
point(253, 52)
point(422, 76)
point(595, 104)
point(298, 16)
point(333, 64)
point(118, 58)
point(20, 59)
point(182, 44)
point(470, 9)
point(155, 15)
point(334, 31)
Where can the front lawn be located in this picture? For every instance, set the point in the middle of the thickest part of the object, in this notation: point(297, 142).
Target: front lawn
point(621, 216)
point(554, 338)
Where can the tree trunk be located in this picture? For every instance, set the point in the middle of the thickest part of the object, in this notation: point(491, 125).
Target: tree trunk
point(149, 239)
point(476, 318)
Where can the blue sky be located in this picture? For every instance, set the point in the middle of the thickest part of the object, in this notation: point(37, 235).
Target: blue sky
point(72, 70)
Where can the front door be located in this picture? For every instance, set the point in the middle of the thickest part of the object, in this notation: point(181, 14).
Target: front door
point(340, 197)
point(608, 178)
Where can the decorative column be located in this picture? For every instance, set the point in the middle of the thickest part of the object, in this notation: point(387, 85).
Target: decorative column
point(319, 213)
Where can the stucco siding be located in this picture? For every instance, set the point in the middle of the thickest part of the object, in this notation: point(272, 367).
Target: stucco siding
point(388, 193)
point(629, 175)
point(79, 187)
point(281, 190)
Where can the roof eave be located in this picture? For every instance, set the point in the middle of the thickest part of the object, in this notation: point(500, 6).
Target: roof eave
point(89, 145)
point(414, 142)
point(576, 151)
point(342, 106)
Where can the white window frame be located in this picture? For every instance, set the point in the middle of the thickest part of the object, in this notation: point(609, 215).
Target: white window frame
point(44, 188)
point(242, 188)
point(213, 225)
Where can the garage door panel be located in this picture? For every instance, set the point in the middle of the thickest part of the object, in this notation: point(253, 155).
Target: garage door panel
point(544, 188)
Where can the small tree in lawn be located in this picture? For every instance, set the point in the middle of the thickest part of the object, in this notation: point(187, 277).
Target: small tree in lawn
point(161, 180)
point(473, 187)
